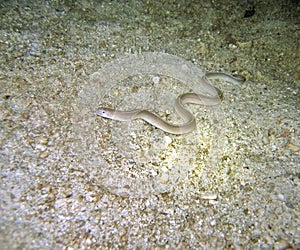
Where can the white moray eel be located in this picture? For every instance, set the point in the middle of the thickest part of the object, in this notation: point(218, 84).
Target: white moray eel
point(184, 71)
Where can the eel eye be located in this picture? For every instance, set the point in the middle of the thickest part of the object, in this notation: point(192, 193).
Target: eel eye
point(102, 113)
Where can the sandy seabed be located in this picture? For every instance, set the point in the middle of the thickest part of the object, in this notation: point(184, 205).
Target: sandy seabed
point(65, 173)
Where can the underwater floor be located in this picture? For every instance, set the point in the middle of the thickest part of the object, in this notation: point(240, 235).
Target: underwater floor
point(73, 180)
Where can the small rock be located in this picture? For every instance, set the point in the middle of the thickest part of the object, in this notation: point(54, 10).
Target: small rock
point(292, 147)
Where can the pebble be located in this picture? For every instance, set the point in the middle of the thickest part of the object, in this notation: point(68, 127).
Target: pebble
point(292, 147)
point(209, 196)
point(155, 79)
point(282, 245)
